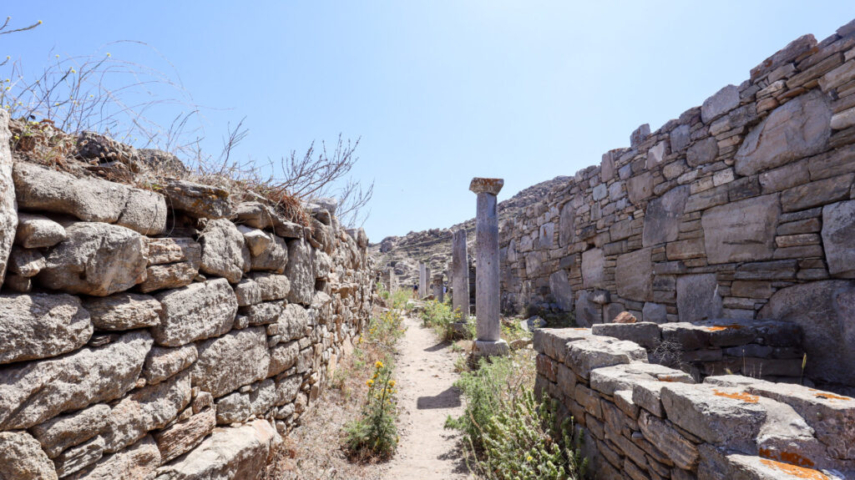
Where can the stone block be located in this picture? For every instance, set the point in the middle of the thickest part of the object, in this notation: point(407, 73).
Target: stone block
point(702, 152)
point(229, 362)
point(41, 326)
point(640, 187)
point(666, 438)
point(195, 312)
point(797, 129)
point(645, 334)
point(654, 312)
point(741, 231)
point(561, 290)
point(838, 238)
point(720, 103)
point(23, 458)
point(634, 275)
point(698, 297)
point(593, 268)
point(587, 311)
point(663, 216)
point(820, 192)
point(587, 355)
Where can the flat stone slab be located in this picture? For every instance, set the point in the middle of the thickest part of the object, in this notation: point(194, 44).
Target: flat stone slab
point(645, 334)
point(609, 380)
point(597, 352)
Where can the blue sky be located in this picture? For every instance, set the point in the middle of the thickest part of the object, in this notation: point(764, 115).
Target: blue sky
point(439, 91)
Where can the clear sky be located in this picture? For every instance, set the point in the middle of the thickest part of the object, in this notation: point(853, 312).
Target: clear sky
point(439, 91)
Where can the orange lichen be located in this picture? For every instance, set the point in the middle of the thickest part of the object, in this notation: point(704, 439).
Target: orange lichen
point(798, 472)
point(724, 327)
point(787, 457)
point(745, 397)
point(829, 396)
point(667, 378)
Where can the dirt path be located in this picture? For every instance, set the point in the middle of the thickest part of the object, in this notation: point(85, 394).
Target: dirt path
point(425, 373)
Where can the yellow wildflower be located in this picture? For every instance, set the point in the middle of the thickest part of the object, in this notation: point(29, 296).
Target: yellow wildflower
point(369, 382)
point(529, 458)
point(379, 364)
point(391, 383)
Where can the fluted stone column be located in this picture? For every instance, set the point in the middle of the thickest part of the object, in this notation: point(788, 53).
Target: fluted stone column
point(438, 294)
point(460, 274)
point(489, 341)
point(422, 280)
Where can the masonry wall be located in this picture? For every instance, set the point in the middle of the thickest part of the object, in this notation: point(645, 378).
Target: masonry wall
point(645, 421)
point(168, 332)
point(741, 208)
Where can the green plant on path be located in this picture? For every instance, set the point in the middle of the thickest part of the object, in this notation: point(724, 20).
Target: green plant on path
point(375, 434)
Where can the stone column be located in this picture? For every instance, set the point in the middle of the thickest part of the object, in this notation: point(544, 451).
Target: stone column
point(437, 288)
point(460, 274)
point(422, 280)
point(489, 341)
point(427, 281)
point(392, 281)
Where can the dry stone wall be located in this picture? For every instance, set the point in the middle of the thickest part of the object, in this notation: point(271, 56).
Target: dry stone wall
point(645, 421)
point(742, 208)
point(163, 333)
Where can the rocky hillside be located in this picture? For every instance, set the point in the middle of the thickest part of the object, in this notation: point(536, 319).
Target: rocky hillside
point(434, 246)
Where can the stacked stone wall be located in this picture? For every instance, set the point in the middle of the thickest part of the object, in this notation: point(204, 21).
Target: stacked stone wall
point(742, 208)
point(645, 421)
point(165, 333)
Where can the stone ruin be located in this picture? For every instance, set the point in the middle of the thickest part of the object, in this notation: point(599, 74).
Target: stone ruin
point(164, 333)
point(730, 233)
point(742, 208)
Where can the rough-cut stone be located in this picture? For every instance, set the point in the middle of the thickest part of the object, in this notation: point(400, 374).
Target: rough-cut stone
point(272, 287)
point(89, 199)
point(645, 334)
point(163, 251)
point(79, 456)
point(138, 462)
point(561, 290)
point(292, 323)
point(41, 326)
point(741, 231)
point(173, 275)
point(236, 452)
point(227, 363)
point(654, 312)
point(224, 252)
point(722, 102)
point(566, 225)
point(247, 292)
point(639, 187)
point(273, 258)
point(162, 363)
point(233, 408)
point(183, 436)
point(22, 456)
point(200, 201)
point(144, 212)
point(587, 355)
point(8, 205)
point(254, 214)
point(679, 138)
point(634, 275)
point(38, 231)
point(282, 357)
point(26, 262)
point(146, 409)
point(702, 152)
point(815, 194)
point(124, 311)
point(799, 128)
point(663, 217)
point(838, 238)
point(587, 312)
point(195, 312)
point(593, 268)
point(698, 297)
point(96, 259)
point(300, 272)
point(678, 448)
point(64, 431)
point(826, 312)
point(263, 313)
point(718, 415)
point(33, 392)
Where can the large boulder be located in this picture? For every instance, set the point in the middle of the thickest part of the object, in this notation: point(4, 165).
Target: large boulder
point(300, 272)
point(799, 128)
point(236, 359)
point(8, 206)
point(197, 200)
point(826, 312)
point(235, 452)
point(22, 456)
point(96, 259)
point(124, 311)
point(195, 312)
point(41, 326)
point(741, 231)
point(147, 409)
point(224, 251)
point(838, 238)
point(33, 392)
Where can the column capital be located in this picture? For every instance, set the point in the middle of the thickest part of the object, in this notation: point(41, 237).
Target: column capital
point(487, 185)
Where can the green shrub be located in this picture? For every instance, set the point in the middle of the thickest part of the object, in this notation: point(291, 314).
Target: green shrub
point(510, 434)
point(386, 329)
point(374, 434)
point(381, 290)
point(440, 317)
